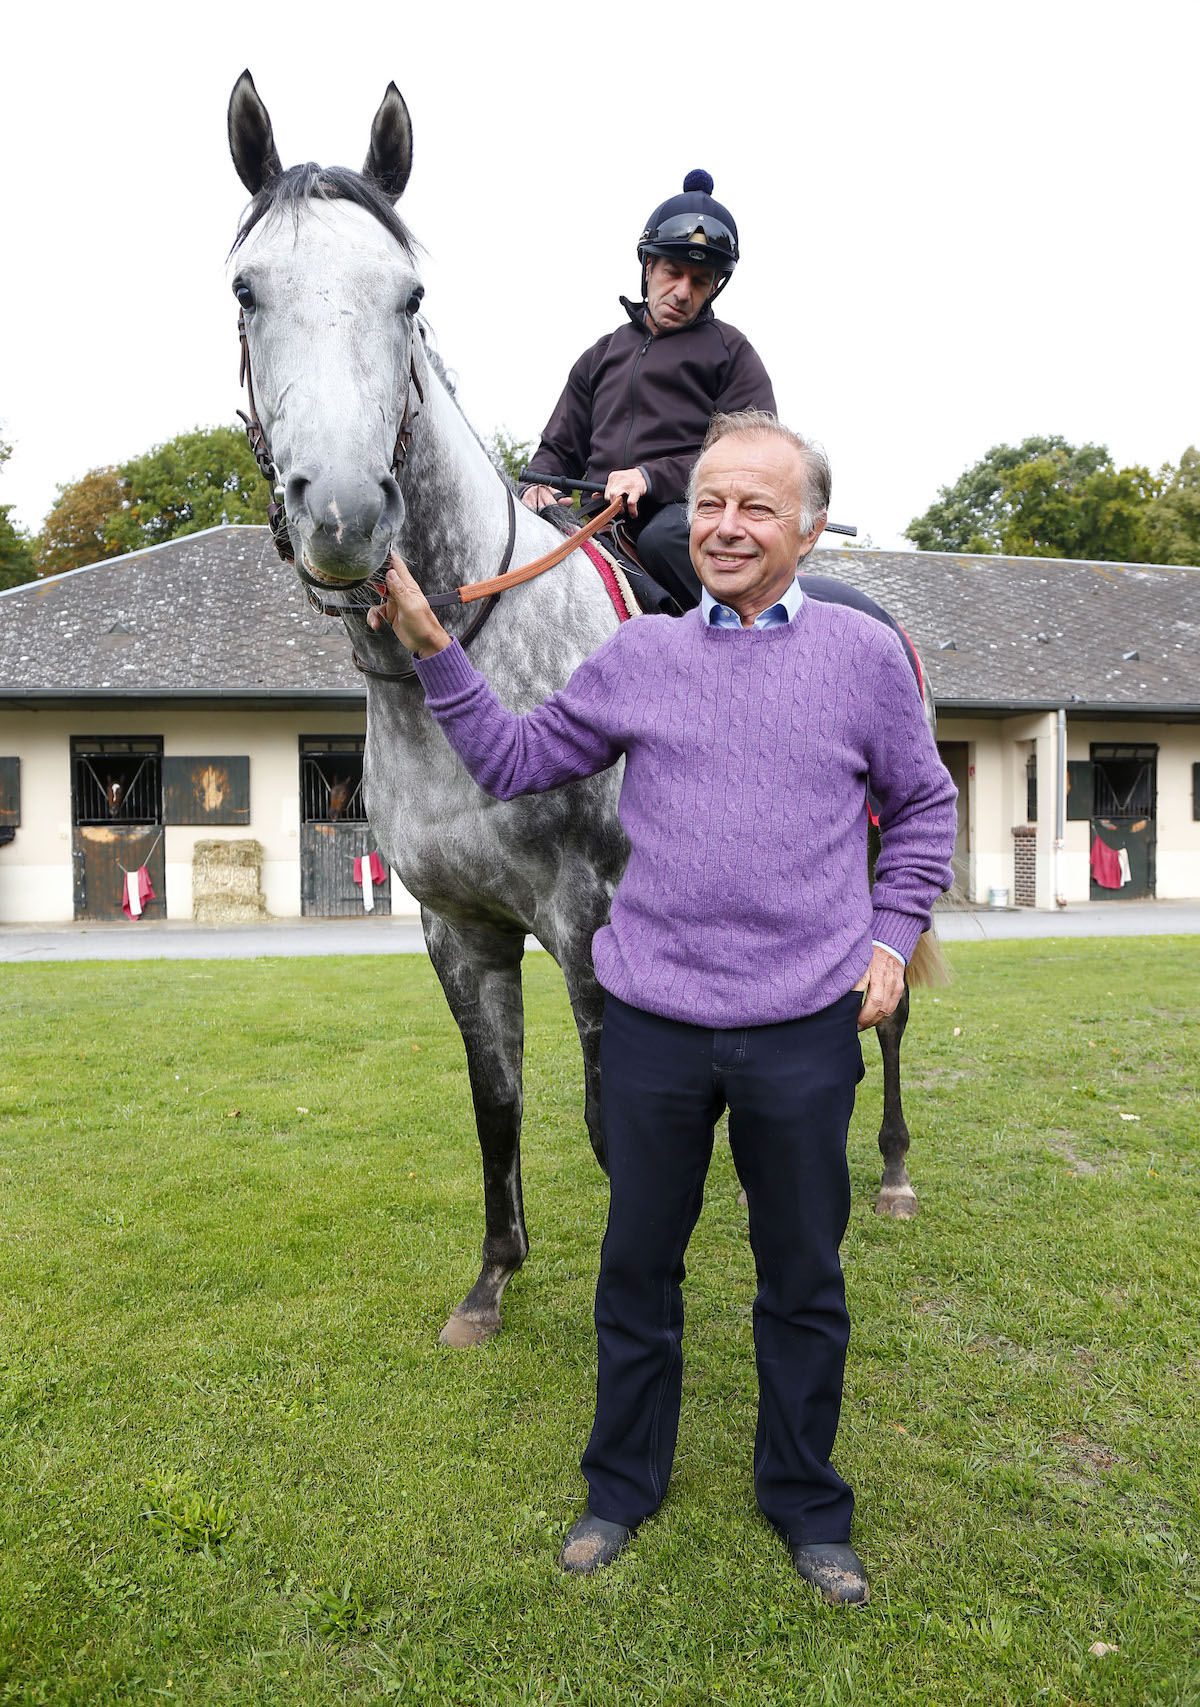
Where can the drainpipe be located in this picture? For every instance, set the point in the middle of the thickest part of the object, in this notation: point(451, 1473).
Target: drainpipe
point(1060, 808)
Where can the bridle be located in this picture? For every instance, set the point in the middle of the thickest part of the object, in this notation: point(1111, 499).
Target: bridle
point(487, 591)
point(264, 457)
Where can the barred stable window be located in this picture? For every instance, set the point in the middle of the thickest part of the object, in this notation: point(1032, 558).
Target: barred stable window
point(116, 780)
point(331, 779)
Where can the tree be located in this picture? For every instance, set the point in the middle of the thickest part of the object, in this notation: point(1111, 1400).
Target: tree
point(75, 532)
point(197, 480)
point(1043, 498)
point(509, 455)
point(16, 555)
point(1173, 519)
point(970, 515)
point(1059, 507)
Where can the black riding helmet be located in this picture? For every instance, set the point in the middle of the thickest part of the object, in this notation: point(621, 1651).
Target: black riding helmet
point(692, 227)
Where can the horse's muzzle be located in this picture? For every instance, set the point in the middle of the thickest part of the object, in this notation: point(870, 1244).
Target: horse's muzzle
point(345, 526)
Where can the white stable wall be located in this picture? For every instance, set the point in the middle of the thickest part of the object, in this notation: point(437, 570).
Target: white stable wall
point(35, 868)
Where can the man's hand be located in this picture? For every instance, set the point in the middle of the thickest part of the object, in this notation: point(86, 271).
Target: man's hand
point(883, 982)
point(541, 497)
point(407, 612)
point(630, 481)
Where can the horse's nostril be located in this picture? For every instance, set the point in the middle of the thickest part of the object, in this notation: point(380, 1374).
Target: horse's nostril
point(296, 489)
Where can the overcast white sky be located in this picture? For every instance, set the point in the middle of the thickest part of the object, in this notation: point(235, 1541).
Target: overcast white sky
point(960, 223)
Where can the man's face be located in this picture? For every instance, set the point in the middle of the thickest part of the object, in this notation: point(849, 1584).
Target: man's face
point(676, 291)
point(746, 535)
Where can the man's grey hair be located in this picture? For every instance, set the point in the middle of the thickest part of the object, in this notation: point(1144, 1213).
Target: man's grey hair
point(761, 424)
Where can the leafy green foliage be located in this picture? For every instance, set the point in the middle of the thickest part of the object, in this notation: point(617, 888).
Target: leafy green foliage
point(16, 554)
point(197, 480)
point(970, 516)
point(335, 1614)
point(199, 1523)
point(509, 455)
point(1076, 504)
point(75, 533)
point(1047, 498)
point(1173, 519)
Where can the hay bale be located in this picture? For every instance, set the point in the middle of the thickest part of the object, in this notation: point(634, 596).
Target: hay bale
point(226, 879)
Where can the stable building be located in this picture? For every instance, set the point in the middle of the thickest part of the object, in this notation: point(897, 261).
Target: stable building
point(184, 711)
point(1068, 702)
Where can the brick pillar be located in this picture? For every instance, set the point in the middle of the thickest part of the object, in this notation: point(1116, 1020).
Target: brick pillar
point(1024, 865)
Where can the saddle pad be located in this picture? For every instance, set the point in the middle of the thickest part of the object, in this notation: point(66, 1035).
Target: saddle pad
point(615, 583)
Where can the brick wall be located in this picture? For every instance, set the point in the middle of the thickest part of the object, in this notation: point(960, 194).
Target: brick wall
point(1025, 865)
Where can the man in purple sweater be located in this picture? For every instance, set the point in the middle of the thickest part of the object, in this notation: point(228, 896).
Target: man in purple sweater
point(744, 954)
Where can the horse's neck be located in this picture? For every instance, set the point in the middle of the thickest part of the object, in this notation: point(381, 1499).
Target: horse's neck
point(456, 526)
point(456, 514)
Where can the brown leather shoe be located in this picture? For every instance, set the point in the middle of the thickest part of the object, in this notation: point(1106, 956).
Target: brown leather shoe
point(592, 1543)
point(835, 1570)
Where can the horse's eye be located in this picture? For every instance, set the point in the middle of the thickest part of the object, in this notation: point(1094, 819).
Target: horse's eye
point(243, 293)
point(414, 301)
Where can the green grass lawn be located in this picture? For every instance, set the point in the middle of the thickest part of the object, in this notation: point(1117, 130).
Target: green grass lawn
point(238, 1200)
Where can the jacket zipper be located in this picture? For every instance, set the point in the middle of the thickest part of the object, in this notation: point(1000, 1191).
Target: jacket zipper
point(632, 394)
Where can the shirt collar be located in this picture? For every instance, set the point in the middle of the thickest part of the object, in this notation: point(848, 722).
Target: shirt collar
point(717, 615)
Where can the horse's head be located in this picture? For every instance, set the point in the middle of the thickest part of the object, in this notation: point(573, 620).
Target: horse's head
point(325, 274)
point(114, 794)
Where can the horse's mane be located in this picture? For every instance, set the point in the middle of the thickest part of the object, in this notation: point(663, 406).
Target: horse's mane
point(289, 191)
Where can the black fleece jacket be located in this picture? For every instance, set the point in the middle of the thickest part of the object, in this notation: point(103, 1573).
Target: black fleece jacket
point(640, 400)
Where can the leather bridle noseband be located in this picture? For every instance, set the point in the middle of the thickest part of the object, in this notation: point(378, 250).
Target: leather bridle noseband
point(487, 591)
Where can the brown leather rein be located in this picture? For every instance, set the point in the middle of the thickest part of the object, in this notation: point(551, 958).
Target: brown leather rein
point(529, 571)
point(468, 594)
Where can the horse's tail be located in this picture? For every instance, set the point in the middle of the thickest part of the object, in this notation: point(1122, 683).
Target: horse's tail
point(928, 966)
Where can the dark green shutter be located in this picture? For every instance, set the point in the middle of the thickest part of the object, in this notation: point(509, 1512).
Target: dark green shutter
point(1079, 788)
point(10, 793)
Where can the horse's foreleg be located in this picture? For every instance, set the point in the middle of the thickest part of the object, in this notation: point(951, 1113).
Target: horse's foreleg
point(896, 1195)
point(480, 972)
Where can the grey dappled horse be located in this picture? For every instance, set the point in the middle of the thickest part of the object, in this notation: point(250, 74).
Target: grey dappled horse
point(373, 452)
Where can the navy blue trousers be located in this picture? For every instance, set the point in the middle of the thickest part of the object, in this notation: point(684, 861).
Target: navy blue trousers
point(790, 1090)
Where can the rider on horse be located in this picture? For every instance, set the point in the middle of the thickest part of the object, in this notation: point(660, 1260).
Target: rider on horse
point(637, 404)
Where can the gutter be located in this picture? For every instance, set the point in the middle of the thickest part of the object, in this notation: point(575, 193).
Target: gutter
point(1060, 805)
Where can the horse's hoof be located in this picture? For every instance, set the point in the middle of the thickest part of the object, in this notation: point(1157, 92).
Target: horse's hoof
point(462, 1331)
point(898, 1201)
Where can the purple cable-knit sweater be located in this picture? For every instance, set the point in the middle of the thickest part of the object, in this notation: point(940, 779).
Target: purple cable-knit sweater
point(747, 758)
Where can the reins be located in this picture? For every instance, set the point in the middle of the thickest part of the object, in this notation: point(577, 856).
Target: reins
point(528, 571)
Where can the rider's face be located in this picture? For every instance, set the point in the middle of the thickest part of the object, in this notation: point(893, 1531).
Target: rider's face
point(676, 291)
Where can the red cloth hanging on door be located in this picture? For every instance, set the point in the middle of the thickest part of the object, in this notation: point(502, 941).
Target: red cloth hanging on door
point(377, 867)
point(1106, 864)
point(145, 892)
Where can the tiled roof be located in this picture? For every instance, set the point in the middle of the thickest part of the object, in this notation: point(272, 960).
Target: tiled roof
point(1030, 631)
point(216, 613)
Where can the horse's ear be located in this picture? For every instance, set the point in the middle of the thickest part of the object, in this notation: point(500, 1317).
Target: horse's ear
point(389, 158)
point(251, 140)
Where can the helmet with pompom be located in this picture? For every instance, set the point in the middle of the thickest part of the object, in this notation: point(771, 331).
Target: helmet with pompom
point(693, 227)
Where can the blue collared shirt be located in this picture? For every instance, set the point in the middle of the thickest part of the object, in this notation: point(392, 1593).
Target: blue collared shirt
point(775, 616)
point(783, 610)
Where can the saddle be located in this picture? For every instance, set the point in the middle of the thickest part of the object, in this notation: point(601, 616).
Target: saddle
point(633, 592)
